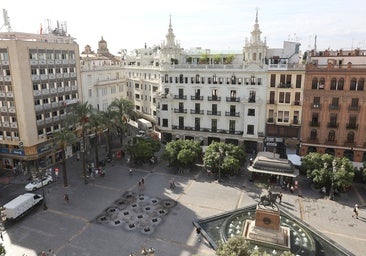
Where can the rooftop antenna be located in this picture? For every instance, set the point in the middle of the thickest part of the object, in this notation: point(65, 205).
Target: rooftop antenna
point(6, 21)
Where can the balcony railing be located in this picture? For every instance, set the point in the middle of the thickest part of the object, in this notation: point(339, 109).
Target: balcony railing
point(180, 110)
point(212, 130)
point(352, 126)
point(332, 125)
point(270, 120)
point(232, 99)
point(334, 107)
point(297, 103)
point(197, 112)
point(194, 97)
point(354, 108)
point(288, 86)
point(213, 113)
point(314, 123)
point(214, 98)
point(229, 113)
point(180, 97)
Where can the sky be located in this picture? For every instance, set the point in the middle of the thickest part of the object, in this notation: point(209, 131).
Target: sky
point(219, 25)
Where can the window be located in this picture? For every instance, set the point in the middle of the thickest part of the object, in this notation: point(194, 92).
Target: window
point(313, 134)
point(360, 85)
point(350, 137)
point(298, 81)
point(340, 84)
point(322, 83)
point(331, 135)
point(314, 83)
point(181, 122)
point(353, 84)
point(297, 98)
point(232, 93)
point(214, 125)
point(251, 112)
point(164, 107)
point(232, 126)
point(282, 79)
point(90, 93)
point(197, 108)
point(197, 124)
point(271, 97)
point(333, 84)
point(252, 96)
point(354, 104)
point(165, 122)
point(288, 80)
point(250, 129)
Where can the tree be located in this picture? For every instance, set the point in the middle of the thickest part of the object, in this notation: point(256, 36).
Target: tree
point(142, 149)
point(2, 250)
point(203, 59)
point(64, 138)
point(123, 110)
point(96, 123)
point(319, 168)
point(235, 246)
point(183, 153)
point(224, 158)
point(80, 114)
point(108, 120)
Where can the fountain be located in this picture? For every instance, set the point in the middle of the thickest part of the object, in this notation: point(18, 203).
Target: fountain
point(268, 228)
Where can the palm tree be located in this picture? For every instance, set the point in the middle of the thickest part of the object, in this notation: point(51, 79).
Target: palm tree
point(64, 138)
point(81, 113)
point(124, 110)
point(96, 123)
point(109, 121)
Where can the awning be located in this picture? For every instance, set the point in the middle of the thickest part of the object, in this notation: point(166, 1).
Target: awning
point(293, 175)
point(295, 159)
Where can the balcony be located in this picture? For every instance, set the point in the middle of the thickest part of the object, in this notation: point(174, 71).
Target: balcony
point(352, 126)
point(334, 107)
point(180, 97)
point(313, 140)
point(272, 102)
point(213, 113)
point(251, 100)
point(332, 125)
point(197, 112)
point(314, 124)
point(230, 113)
point(297, 103)
point(348, 143)
point(287, 86)
point(180, 110)
point(354, 108)
point(194, 97)
point(213, 98)
point(270, 120)
point(232, 99)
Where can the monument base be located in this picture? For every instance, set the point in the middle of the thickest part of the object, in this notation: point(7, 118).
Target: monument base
point(275, 238)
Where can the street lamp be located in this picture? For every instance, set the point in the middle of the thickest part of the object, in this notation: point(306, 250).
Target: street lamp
point(334, 169)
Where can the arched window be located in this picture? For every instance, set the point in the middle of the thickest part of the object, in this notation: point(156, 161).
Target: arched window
point(333, 84)
point(254, 56)
point(322, 83)
point(352, 86)
point(331, 135)
point(313, 134)
point(340, 84)
point(350, 137)
point(314, 84)
point(361, 83)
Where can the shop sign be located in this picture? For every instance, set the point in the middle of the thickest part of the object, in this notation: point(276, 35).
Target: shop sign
point(44, 148)
point(18, 152)
point(4, 150)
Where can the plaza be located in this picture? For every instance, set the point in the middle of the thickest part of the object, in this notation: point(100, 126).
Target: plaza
point(71, 228)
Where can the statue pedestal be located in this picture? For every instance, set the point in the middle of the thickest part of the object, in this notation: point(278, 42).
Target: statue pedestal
point(266, 228)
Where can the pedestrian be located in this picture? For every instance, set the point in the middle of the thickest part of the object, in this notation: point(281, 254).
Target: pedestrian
point(130, 171)
point(173, 183)
point(292, 189)
point(198, 231)
point(142, 183)
point(139, 187)
point(66, 198)
point(355, 211)
point(1, 236)
point(280, 197)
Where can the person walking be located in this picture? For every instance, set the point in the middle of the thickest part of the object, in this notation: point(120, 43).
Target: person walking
point(130, 171)
point(142, 183)
point(66, 198)
point(1, 236)
point(355, 211)
point(280, 197)
point(198, 232)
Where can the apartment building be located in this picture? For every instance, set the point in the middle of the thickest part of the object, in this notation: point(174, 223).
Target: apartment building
point(102, 76)
point(39, 81)
point(284, 98)
point(202, 95)
point(334, 109)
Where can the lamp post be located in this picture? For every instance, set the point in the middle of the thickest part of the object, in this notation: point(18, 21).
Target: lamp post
point(334, 169)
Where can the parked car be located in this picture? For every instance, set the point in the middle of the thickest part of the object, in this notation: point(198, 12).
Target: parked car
point(36, 184)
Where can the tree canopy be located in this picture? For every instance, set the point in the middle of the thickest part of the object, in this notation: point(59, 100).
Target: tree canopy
point(142, 149)
point(319, 168)
point(183, 153)
point(223, 157)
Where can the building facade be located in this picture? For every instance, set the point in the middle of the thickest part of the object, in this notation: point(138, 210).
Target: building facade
point(334, 99)
point(39, 81)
